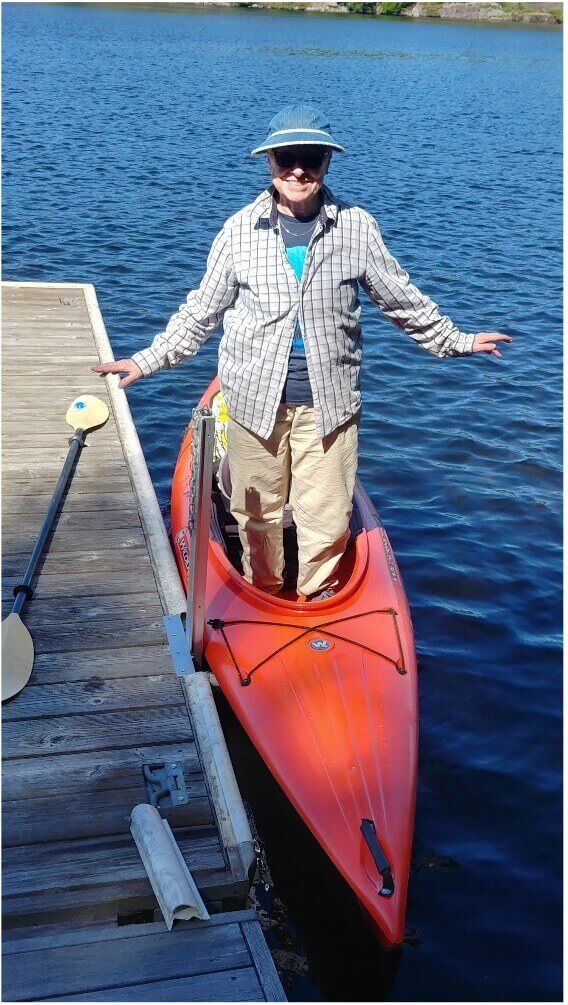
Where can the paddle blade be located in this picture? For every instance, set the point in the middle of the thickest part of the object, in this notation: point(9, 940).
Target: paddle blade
point(87, 412)
point(17, 655)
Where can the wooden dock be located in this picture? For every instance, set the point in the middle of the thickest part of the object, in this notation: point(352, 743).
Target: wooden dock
point(104, 700)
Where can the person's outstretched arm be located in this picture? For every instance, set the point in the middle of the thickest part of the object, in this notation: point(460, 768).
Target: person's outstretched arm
point(191, 325)
point(389, 286)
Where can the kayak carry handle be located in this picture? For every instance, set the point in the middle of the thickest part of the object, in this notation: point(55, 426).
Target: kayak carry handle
point(379, 858)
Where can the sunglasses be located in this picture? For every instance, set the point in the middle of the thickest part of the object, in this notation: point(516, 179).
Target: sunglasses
point(308, 158)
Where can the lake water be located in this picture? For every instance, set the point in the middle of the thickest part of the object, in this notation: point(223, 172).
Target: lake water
point(126, 142)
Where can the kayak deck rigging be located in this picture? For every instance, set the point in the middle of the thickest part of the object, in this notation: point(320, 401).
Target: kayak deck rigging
point(322, 628)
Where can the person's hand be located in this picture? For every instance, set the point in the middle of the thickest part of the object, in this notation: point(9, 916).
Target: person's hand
point(486, 342)
point(127, 366)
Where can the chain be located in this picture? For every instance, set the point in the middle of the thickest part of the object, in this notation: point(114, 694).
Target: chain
point(262, 869)
point(302, 232)
point(261, 864)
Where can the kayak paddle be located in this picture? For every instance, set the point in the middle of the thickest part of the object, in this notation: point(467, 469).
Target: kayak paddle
point(84, 414)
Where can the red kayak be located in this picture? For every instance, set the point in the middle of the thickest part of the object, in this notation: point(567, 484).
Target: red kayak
point(326, 691)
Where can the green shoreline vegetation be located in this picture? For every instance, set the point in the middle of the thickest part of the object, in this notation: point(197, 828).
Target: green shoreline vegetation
point(436, 10)
point(535, 13)
point(545, 14)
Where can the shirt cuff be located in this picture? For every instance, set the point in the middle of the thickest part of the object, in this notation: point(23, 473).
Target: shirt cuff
point(147, 360)
point(464, 344)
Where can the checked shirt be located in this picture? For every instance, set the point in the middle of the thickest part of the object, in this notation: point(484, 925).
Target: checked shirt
point(250, 287)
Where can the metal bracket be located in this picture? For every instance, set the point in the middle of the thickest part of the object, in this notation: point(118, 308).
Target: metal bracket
point(177, 638)
point(165, 784)
point(198, 526)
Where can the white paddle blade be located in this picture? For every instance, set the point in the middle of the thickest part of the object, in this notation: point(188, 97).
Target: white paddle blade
point(87, 412)
point(17, 655)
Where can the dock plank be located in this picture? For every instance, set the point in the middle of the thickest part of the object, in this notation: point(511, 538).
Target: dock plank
point(96, 520)
point(116, 481)
point(214, 953)
point(94, 695)
point(57, 392)
point(52, 458)
point(79, 968)
point(107, 730)
point(264, 965)
point(88, 877)
point(74, 503)
point(86, 542)
point(67, 541)
point(228, 986)
point(71, 609)
point(38, 470)
point(46, 866)
point(86, 585)
point(68, 562)
point(88, 663)
point(57, 447)
point(86, 634)
point(75, 365)
point(57, 775)
point(73, 574)
point(59, 818)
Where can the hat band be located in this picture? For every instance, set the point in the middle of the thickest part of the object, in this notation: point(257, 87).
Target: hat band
point(299, 129)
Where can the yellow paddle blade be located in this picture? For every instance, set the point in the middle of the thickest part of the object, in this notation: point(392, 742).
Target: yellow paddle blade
point(86, 412)
point(17, 655)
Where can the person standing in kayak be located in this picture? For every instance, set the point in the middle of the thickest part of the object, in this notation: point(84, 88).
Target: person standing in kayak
point(283, 276)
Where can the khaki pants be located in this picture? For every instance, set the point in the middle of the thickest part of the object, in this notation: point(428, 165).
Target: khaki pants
point(318, 475)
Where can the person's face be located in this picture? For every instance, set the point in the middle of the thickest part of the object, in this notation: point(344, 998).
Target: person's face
point(298, 172)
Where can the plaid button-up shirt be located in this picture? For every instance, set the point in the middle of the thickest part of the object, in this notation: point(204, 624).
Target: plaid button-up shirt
point(250, 286)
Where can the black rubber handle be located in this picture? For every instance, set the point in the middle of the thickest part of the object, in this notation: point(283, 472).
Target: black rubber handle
point(379, 858)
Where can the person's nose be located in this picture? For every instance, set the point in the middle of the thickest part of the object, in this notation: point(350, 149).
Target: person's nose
point(297, 170)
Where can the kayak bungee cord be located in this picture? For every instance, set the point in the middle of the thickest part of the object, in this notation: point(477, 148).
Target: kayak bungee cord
point(219, 625)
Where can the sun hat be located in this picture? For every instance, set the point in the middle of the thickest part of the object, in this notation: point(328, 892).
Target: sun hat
point(295, 125)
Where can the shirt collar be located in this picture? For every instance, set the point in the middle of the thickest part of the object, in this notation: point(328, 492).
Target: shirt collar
point(267, 208)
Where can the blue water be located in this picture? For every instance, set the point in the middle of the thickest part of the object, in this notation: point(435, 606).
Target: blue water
point(126, 140)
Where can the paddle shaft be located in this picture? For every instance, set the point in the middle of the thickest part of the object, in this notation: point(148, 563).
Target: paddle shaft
point(23, 591)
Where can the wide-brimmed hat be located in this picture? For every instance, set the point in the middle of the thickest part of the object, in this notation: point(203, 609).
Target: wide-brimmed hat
point(298, 125)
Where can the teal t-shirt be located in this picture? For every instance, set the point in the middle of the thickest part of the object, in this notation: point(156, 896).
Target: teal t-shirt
point(296, 234)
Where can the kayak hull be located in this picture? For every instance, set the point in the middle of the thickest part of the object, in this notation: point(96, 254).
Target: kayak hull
point(327, 693)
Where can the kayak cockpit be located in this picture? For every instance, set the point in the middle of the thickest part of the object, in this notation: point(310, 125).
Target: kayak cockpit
point(224, 531)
